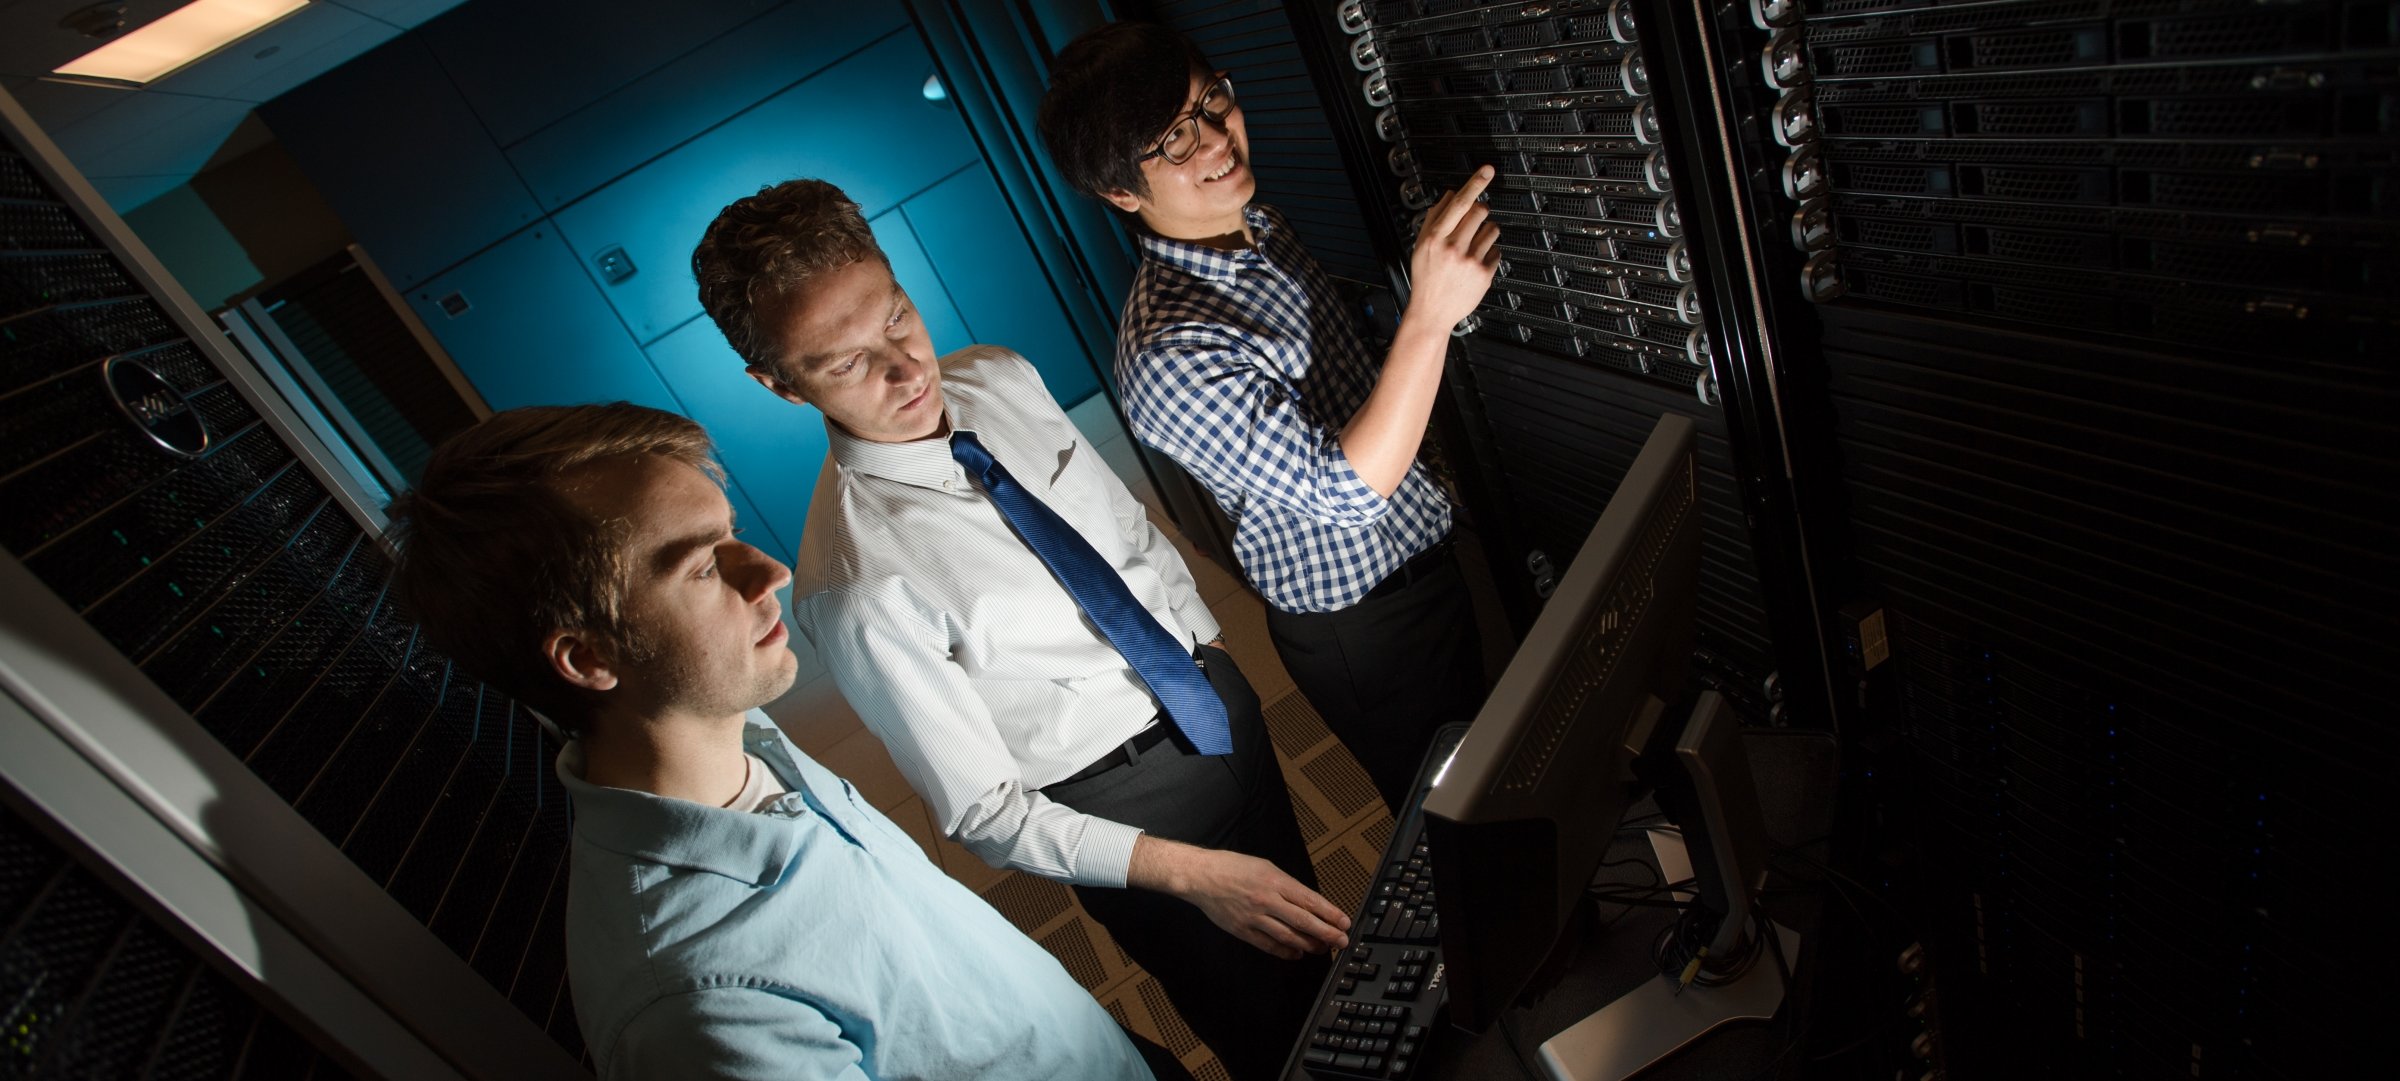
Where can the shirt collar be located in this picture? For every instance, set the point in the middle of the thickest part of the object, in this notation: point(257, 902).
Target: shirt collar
point(1212, 263)
point(925, 463)
point(740, 845)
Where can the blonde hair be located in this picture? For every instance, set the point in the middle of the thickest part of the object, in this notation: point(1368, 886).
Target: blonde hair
point(495, 556)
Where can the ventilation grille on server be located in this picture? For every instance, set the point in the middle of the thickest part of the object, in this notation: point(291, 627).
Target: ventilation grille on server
point(236, 582)
point(1593, 328)
point(2142, 601)
point(2113, 396)
point(2210, 172)
point(1567, 432)
point(2124, 892)
point(96, 989)
point(1557, 98)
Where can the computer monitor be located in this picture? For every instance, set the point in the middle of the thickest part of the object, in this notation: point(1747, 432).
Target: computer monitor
point(1521, 816)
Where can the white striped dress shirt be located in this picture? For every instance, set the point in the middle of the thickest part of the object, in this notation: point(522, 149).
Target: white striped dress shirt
point(953, 641)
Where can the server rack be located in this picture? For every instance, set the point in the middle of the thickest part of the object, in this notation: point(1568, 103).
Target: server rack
point(1597, 324)
point(232, 771)
point(2058, 332)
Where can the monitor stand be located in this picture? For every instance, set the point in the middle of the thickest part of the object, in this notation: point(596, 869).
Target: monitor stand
point(1651, 1022)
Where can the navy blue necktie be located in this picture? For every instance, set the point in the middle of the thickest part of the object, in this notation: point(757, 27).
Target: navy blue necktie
point(1157, 656)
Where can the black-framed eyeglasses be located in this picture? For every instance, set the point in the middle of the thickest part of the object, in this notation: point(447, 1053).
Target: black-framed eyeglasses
point(1180, 141)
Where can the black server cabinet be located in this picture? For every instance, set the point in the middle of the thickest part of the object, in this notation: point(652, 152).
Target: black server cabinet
point(2116, 424)
point(2059, 331)
point(148, 493)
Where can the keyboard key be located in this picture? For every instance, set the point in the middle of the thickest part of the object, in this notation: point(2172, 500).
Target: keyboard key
point(1318, 1057)
point(1350, 1062)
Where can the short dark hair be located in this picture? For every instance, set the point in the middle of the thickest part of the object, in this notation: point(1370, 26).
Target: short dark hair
point(1112, 90)
point(762, 249)
point(495, 555)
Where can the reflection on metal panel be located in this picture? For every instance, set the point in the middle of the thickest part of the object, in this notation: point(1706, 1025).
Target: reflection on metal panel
point(402, 159)
point(863, 124)
point(648, 116)
point(770, 447)
point(1000, 290)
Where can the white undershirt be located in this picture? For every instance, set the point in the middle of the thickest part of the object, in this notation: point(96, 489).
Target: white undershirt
point(759, 787)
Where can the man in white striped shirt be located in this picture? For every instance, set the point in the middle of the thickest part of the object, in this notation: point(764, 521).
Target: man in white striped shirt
point(1036, 742)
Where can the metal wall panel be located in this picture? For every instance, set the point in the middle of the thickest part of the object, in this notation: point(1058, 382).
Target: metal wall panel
point(516, 90)
point(399, 155)
point(615, 132)
point(837, 125)
point(997, 287)
point(773, 446)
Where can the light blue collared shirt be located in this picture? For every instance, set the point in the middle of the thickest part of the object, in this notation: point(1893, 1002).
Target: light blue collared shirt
point(810, 939)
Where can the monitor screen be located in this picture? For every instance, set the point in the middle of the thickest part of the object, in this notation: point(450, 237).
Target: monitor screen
point(1520, 817)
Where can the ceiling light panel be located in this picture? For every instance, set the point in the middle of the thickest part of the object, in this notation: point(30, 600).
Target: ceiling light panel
point(178, 38)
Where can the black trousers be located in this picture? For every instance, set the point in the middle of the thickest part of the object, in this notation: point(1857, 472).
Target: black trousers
point(1247, 1005)
point(1389, 670)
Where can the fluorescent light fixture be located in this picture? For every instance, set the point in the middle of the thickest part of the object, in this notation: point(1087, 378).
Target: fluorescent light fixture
point(177, 38)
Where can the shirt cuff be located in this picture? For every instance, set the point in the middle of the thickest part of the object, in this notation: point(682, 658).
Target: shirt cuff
point(1348, 497)
point(1199, 621)
point(1106, 853)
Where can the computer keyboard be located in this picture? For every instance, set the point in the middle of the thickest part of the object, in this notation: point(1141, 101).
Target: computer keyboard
point(1400, 908)
point(1382, 1005)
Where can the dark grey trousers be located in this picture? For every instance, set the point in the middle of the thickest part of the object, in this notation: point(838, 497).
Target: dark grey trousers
point(1245, 1004)
point(1387, 671)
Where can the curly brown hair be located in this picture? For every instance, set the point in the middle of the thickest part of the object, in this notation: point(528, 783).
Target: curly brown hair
point(495, 554)
point(761, 250)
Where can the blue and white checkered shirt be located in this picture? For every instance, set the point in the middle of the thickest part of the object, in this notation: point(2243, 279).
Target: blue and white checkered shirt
point(1244, 366)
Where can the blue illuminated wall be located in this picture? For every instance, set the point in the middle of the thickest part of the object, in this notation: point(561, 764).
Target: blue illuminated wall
point(489, 158)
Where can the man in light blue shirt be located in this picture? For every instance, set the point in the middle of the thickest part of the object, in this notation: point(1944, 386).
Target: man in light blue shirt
point(734, 910)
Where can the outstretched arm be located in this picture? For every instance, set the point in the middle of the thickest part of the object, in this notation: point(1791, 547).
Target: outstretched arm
point(1449, 272)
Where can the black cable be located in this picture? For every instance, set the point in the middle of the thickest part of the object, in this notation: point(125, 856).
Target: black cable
point(1515, 1049)
point(1640, 902)
point(1842, 885)
point(1839, 877)
point(1634, 861)
point(1680, 950)
point(1774, 936)
point(1643, 896)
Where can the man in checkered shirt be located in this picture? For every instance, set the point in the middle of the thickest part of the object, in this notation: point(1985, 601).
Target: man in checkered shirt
point(1238, 360)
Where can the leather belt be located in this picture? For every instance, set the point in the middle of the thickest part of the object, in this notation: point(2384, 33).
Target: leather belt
point(1126, 753)
point(1417, 569)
